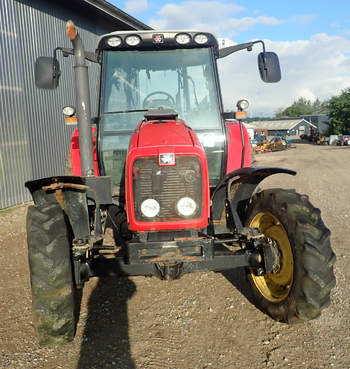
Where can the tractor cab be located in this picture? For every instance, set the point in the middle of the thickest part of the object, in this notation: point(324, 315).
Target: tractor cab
point(163, 70)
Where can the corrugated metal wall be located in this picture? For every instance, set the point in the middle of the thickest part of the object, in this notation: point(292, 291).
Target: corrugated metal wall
point(33, 137)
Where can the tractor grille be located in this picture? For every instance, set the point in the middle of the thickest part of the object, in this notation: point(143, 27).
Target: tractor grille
point(167, 185)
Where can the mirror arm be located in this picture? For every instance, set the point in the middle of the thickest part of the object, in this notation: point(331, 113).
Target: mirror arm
point(68, 51)
point(232, 49)
point(56, 73)
point(262, 43)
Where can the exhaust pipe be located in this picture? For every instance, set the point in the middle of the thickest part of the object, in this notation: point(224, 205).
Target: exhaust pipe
point(83, 103)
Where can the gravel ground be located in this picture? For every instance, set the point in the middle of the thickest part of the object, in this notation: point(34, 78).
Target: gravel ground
point(203, 320)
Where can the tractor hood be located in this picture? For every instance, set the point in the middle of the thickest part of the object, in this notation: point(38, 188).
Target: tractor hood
point(165, 133)
point(165, 163)
point(161, 127)
point(159, 134)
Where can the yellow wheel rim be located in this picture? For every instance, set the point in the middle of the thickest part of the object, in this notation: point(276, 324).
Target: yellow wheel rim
point(275, 287)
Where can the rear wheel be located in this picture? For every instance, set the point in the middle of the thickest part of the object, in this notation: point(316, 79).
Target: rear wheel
point(301, 287)
point(51, 274)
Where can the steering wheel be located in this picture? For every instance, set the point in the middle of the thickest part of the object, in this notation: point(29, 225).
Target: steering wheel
point(155, 103)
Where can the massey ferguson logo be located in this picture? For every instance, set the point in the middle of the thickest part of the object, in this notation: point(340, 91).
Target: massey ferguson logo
point(158, 38)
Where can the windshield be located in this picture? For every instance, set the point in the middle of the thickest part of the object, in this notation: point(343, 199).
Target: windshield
point(178, 79)
point(181, 79)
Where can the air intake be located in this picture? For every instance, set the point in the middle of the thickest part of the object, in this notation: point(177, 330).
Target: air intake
point(161, 114)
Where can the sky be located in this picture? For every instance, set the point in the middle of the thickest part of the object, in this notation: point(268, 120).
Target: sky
point(311, 38)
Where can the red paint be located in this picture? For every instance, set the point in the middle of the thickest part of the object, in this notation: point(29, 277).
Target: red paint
point(152, 139)
point(75, 153)
point(234, 147)
point(159, 134)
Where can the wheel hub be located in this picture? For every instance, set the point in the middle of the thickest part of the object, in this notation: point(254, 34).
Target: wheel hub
point(276, 283)
point(272, 256)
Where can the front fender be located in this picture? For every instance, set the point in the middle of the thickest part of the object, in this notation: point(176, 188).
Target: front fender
point(238, 187)
point(72, 193)
point(41, 188)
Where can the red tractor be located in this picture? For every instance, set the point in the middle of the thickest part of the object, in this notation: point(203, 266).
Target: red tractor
point(161, 171)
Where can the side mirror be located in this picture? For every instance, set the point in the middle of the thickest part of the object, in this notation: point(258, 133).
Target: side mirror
point(47, 73)
point(269, 67)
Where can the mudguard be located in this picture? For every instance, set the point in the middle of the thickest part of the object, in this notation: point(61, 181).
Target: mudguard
point(238, 187)
point(72, 193)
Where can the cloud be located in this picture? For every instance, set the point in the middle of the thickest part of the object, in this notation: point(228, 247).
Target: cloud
point(302, 18)
point(314, 68)
point(136, 6)
point(213, 16)
point(217, 17)
point(242, 24)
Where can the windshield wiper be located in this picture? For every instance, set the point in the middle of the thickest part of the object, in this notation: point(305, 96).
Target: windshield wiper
point(125, 111)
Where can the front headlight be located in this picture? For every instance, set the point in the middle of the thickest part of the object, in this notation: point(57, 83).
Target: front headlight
point(186, 206)
point(150, 208)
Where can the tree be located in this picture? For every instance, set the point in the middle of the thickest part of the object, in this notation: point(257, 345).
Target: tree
point(303, 106)
point(320, 107)
point(339, 112)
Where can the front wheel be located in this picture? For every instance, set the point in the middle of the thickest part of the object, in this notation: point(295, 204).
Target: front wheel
point(301, 288)
point(51, 274)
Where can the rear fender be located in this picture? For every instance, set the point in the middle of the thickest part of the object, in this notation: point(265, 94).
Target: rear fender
point(238, 187)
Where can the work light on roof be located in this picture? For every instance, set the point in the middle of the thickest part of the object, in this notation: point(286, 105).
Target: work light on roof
point(114, 41)
point(132, 40)
point(201, 39)
point(183, 38)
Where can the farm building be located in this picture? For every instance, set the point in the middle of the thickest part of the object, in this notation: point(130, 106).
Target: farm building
point(282, 127)
point(33, 137)
point(321, 121)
